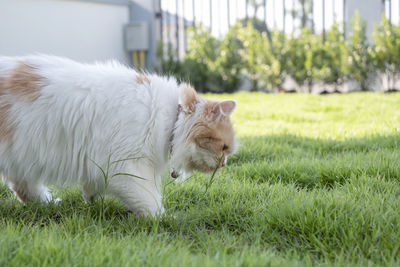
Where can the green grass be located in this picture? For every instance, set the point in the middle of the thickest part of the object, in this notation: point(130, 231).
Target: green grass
point(316, 181)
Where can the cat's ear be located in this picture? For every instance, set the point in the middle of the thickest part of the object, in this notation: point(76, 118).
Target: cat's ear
point(225, 108)
point(190, 100)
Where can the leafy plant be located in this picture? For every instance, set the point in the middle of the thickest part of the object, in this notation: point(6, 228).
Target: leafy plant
point(229, 62)
point(168, 62)
point(385, 53)
point(198, 62)
point(300, 57)
point(219, 65)
point(260, 63)
point(333, 65)
point(359, 60)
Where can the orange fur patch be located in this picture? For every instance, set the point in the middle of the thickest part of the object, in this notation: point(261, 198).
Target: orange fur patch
point(142, 78)
point(21, 84)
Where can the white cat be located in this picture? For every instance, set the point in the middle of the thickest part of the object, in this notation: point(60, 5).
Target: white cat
point(63, 123)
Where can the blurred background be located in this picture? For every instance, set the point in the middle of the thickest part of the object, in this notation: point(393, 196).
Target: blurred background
point(315, 46)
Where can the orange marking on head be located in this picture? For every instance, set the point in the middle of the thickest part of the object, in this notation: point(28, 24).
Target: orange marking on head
point(213, 131)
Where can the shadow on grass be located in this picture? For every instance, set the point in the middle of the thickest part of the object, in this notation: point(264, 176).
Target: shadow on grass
point(72, 204)
point(287, 160)
point(272, 193)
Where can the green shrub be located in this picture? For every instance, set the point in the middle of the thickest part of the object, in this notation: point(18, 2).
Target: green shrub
point(219, 65)
point(385, 53)
point(229, 61)
point(168, 62)
point(359, 60)
point(334, 66)
point(299, 57)
point(253, 54)
point(198, 61)
point(260, 62)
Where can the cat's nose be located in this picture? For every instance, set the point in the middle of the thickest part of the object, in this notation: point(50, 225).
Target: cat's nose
point(174, 174)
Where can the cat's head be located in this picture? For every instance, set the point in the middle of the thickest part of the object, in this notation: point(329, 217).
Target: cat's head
point(203, 135)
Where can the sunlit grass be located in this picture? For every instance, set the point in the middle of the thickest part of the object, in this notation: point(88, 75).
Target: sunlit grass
point(315, 182)
point(314, 116)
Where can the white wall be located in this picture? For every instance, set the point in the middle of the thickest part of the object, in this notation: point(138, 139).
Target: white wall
point(370, 10)
point(79, 30)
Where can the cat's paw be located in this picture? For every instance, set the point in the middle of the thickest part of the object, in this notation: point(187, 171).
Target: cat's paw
point(150, 213)
point(46, 197)
point(56, 200)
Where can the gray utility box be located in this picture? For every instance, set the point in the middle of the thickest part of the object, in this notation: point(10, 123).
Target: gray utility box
point(137, 36)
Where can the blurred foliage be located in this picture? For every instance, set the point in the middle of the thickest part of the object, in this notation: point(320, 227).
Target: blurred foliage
point(385, 53)
point(247, 52)
point(359, 60)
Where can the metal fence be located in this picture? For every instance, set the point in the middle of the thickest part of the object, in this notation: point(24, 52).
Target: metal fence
point(284, 15)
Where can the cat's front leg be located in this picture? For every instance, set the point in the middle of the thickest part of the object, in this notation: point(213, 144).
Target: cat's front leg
point(140, 193)
point(26, 191)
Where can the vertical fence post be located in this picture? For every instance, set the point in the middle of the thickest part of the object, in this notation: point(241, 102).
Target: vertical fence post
point(344, 19)
point(265, 13)
point(160, 16)
point(211, 16)
point(193, 14)
point(246, 10)
point(183, 28)
point(323, 20)
point(236, 12)
point(168, 26)
point(312, 16)
point(177, 28)
point(293, 15)
point(303, 14)
point(284, 15)
point(228, 14)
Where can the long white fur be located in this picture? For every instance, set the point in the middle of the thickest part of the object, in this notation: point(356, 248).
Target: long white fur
point(89, 115)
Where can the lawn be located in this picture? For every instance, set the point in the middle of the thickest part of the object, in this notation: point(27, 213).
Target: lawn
point(316, 181)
